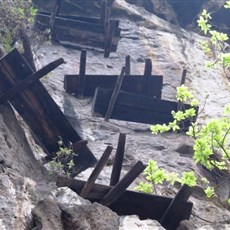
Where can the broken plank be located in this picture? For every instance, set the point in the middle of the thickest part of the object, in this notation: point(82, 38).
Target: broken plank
point(115, 94)
point(146, 206)
point(117, 165)
point(172, 216)
point(123, 184)
point(40, 111)
point(135, 108)
point(92, 178)
point(132, 84)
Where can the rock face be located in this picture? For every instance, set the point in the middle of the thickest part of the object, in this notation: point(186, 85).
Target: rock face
point(29, 198)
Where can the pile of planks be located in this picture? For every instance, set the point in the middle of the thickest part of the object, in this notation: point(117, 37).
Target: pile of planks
point(168, 211)
point(134, 98)
point(71, 27)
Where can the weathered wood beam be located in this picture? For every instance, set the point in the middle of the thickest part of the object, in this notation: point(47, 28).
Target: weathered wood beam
point(131, 83)
point(30, 80)
point(172, 216)
point(115, 94)
point(92, 178)
point(127, 65)
point(117, 165)
point(135, 108)
point(123, 184)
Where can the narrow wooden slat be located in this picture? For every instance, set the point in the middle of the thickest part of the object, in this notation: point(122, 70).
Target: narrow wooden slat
point(127, 65)
point(115, 94)
point(183, 77)
point(82, 73)
point(29, 80)
point(54, 13)
point(109, 38)
point(172, 216)
point(117, 165)
point(92, 178)
point(124, 183)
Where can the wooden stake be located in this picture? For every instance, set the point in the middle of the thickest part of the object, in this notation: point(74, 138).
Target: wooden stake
point(183, 77)
point(82, 73)
point(127, 65)
point(117, 165)
point(147, 75)
point(172, 216)
point(101, 163)
point(124, 183)
point(115, 94)
point(29, 80)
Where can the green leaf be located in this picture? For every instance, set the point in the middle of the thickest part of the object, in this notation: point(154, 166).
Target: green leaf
point(210, 192)
point(188, 178)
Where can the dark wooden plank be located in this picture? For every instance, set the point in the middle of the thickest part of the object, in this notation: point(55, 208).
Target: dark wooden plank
point(131, 83)
point(183, 77)
point(117, 165)
point(79, 145)
point(172, 216)
point(30, 80)
point(115, 94)
point(92, 178)
point(146, 206)
point(39, 110)
point(82, 73)
point(123, 184)
point(135, 108)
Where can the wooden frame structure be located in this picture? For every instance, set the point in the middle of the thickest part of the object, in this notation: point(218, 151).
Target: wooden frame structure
point(81, 31)
point(86, 84)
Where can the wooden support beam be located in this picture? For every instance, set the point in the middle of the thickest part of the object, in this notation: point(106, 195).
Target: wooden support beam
point(146, 206)
point(127, 65)
point(92, 178)
point(117, 165)
point(115, 94)
point(30, 80)
point(54, 13)
point(123, 184)
point(172, 216)
point(135, 108)
point(82, 73)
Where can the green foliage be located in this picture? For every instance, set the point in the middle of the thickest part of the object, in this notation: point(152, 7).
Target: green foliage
point(155, 176)
point(63, 160)
point(217, 40)
point(209, 191)
point(15, 15)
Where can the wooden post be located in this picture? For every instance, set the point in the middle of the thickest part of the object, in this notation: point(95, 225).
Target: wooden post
point(117, 165)
point(172, 216)
point(147, 75)
point(115, 94)
point(109, 38)
point(54, 13)
point(124, 183)
point(183, 77)
point(127, 65)
point(100, 164)
point(82, 73)
point(29, 80)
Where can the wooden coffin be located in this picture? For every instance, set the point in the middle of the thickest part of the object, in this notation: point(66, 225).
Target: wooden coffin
point(135, 203)
point(134, 108)
point(39, 110)
point(136, 84)
point(80, 32)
